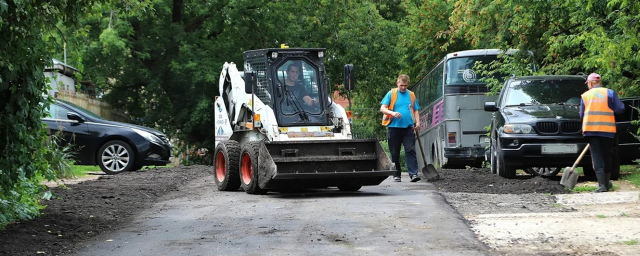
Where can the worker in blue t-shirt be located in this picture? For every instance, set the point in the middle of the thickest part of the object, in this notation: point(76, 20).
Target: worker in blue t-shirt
point(400, 108)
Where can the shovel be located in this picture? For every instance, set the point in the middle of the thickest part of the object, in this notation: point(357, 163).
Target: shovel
point(428, 171)
point(570, 175)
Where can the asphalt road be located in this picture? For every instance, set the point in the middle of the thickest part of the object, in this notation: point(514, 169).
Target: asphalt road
point(390, 219)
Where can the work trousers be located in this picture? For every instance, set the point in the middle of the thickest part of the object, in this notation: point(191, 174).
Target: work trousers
point(398, 137)
point(601, 152)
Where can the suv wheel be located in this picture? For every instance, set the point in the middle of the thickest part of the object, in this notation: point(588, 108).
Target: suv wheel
point(544, 171)
point(494, 159)
point(503, 169)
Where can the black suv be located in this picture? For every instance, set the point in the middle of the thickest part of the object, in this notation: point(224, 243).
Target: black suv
point(536, 126)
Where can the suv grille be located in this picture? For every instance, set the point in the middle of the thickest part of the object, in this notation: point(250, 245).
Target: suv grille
point(570, 127)
point(547, 127)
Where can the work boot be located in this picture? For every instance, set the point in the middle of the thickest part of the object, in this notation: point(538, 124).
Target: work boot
point(602, 181)
point(608, 180)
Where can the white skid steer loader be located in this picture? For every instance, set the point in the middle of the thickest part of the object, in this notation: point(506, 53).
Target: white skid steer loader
point(277, 128)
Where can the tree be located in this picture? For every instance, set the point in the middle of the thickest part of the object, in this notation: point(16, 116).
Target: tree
point(23, 56)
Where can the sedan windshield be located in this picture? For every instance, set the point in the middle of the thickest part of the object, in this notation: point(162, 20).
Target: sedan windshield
point(534, 92)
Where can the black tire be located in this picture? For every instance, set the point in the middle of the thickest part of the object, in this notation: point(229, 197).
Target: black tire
point(115, 157)
point(249, 169)
point(434, 157)
point(503, 169)
point(544, 171)
point(494, 159)
point(351, 187)
point(227, 157)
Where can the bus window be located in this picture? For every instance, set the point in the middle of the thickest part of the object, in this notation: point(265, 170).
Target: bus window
point(461, 70)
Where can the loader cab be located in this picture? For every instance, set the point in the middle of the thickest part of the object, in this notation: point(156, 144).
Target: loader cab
point(294, 80)
point(299, 99)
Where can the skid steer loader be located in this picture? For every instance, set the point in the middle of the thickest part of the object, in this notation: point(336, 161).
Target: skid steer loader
point(270, 136)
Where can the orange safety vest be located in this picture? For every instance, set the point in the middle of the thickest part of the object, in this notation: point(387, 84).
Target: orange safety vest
point(598, 117)
point(386, 119)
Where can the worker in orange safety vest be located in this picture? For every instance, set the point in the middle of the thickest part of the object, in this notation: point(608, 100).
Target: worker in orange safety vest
point(598, 107)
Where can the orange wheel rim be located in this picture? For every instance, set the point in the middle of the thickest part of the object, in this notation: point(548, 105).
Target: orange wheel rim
point(247, 169)
point(221, 166)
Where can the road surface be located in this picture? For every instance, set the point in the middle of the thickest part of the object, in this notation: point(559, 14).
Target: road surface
point(390, 219)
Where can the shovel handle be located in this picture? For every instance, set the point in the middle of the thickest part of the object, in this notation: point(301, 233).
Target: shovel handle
point(584, 151)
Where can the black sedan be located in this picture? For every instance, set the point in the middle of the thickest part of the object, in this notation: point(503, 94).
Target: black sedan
point(115, 147)
point(536, 126)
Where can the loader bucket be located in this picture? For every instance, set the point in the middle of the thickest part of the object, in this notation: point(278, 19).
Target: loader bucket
point(323, 163)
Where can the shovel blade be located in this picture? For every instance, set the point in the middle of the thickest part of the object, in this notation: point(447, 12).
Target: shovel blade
point(569, 178)
point(430, 173)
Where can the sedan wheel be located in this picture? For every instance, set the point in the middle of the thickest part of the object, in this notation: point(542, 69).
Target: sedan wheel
point(115, 157)
point(544, 171)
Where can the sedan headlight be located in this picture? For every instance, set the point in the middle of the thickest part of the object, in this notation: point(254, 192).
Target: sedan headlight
point(517, 128)
point(148, 136)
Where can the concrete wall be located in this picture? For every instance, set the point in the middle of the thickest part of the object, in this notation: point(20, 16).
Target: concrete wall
point(96, 106)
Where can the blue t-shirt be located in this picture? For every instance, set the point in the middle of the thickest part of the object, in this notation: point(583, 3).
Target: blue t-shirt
point(402, 105)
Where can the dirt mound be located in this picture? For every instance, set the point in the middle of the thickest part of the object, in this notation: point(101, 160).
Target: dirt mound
point(480, 180)
point(87, 209)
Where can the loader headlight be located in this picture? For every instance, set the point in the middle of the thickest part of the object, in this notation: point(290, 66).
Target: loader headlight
point(517, 128)
point(274, 55)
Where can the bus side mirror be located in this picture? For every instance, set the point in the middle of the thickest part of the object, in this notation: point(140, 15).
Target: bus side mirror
point(249, 81)
point(349, 80)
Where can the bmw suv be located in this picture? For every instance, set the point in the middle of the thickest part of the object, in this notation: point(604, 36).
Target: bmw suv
point(536, 126)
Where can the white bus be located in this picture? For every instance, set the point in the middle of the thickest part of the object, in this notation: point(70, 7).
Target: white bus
point(452, 97)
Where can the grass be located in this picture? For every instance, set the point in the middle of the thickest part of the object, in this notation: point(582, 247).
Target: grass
point(630, 173)
point(631, 242)
point(601, 216)
point(82, 170)
point(591, 186)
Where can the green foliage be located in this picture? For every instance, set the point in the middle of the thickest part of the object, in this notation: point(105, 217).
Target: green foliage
point(59, 157)
point(23, 57)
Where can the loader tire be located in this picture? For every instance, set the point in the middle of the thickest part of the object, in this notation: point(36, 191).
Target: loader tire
point(249, 169)
point(226, 165)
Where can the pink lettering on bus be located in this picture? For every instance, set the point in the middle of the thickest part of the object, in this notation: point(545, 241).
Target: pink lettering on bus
point(438, 113)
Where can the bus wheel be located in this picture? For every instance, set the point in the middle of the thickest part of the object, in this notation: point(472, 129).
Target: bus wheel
point(434, 157)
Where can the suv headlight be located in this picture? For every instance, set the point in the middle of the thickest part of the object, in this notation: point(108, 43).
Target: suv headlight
point(517, 128)
point(148, 136)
